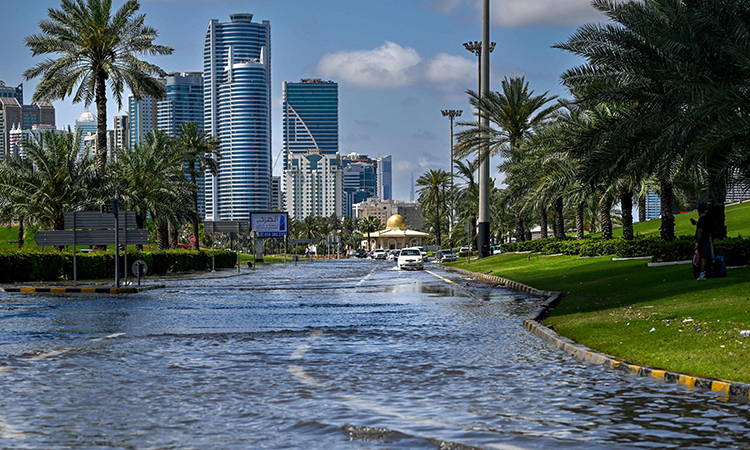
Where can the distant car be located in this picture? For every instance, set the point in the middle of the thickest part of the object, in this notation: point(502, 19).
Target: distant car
point(379, 254)
point(495, 249)
point(442, 256)
point(360, 253)
point(423, 253)
point(393, 255)
point(410, 258)
point(464, 250)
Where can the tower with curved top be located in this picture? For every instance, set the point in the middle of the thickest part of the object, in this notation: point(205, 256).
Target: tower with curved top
point(237, 110)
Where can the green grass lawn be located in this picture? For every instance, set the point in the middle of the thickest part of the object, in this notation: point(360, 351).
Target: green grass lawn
point(612, 307)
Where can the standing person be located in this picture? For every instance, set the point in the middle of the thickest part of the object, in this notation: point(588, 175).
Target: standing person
point(703, 240)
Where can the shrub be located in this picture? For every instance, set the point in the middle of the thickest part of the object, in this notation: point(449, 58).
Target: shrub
point(639, 246)
point(680, 249)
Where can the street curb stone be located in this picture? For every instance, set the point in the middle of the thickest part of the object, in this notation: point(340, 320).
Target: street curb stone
point(725, 389)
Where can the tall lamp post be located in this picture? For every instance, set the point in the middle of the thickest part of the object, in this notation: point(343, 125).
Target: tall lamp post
point(451, 114)
point(483, 49)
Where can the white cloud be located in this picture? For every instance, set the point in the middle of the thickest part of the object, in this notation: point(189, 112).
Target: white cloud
point(393, 66)
point(388, 66)
point(553, 12)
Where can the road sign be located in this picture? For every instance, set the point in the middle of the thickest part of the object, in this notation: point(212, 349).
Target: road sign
point(89, 237)
point(92, 220)
point(140, 268)
point(192, 239)
point(269, 224)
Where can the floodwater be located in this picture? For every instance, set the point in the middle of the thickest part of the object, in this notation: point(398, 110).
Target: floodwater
point(349, 354)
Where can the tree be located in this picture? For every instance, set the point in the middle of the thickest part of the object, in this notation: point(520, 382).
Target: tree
point(432, 196)
point(52, 180)
point(151, 182)
point(467, 198)
point(200, 153)
point(368, 225)
point(513, 114)
point(95, 48)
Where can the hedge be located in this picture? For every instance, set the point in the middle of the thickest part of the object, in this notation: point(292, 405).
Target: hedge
point(50, 265)
point(735, 250)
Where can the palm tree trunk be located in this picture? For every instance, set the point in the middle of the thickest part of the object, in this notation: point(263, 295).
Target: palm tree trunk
point(196, 229)
point(162, 237)
point(641, 209)
point(605, 206)
point(20, 232)
point(520, 235)
point(667, 217)
point(101, 124)
point(543, 222)
point(579, 219)
point(559, 219)
point(173, 235)
point(717, 191)
point(626, 202)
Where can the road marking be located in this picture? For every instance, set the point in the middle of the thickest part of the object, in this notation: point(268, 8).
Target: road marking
point(366, 277)
point(442, 278)
point(466, 291)
point(111, 336)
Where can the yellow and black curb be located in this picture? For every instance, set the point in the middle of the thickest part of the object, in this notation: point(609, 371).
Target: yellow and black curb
point(725, 389)
point(82, 290)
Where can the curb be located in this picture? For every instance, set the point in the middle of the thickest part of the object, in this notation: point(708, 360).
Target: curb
point(82, 290)
point(582, 353)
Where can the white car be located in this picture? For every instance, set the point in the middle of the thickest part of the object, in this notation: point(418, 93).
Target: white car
point(379, 254)
point(410, 258)
point(423, 253)
point(393, 255)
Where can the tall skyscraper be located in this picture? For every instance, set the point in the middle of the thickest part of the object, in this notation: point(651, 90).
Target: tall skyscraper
point(359, 180)
point(142, 115)
point(14, 115)
point(122, 132)
point(237, 110)
point(182, 103)
point(385, 179)
point(11, 92)
point(312, 165)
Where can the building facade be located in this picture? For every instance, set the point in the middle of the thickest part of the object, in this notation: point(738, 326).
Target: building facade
point(20, 137)
point(15, 115)
point(359, 180)
point(122, 132)
point(237, 110)
point(85, 124)
point(277, 197)
point(142, 116)
point(182, 103)
point(11, 92)
point(383, 209)
point(385, 179)
point(313, 182)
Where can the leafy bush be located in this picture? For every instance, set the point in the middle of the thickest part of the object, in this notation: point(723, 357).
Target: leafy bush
point(680, 249)
point(639, 246)
point(49, 265)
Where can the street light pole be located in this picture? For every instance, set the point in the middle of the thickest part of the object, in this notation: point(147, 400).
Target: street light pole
point(483, 238)
point(451, 114)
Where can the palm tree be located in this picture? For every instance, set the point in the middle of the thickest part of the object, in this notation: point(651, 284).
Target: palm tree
point(15, 173)
point(200, 153)
point(151, 183)
point(95, 48)
point(514, 114)
point(368, 225)
point(432, 197)
point(467, 197)
point(52, 180)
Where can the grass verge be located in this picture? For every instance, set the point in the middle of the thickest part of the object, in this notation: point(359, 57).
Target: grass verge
point(654, 316)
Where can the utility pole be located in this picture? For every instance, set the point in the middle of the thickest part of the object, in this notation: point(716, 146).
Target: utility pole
point(451, 114)
point(483, 238)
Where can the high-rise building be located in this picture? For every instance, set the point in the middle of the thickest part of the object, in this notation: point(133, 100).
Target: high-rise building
point(237, 110)
point(19, 137)
point(183, 102)
point(313, 184)
point(11, 92)
point(385, 179)
point(653, 205)
point(276, 194)
point(143, 118)
point(122, 132)
point(86, 123)
point(14, 115)
point(359, 180)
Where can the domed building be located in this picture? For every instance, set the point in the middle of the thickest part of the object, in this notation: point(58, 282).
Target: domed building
point(396, 235)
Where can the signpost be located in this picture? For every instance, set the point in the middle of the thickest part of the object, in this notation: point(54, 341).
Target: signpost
point(192, 239)
point(269, 225)
point(139, 269)
point(224, 226)
point(94, 228)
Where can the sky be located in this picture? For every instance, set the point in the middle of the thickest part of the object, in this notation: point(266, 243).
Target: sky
point(398, 62)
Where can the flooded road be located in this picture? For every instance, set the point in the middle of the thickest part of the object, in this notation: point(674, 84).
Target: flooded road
point(349, 354)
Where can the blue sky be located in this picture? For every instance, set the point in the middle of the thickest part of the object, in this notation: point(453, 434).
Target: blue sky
point(397, 62)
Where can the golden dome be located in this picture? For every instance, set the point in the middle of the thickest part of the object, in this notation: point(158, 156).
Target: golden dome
point(396, 222)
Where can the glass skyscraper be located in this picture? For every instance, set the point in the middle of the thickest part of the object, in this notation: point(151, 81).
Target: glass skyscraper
point(311, 116)
point(237, 110)
point(182, 103)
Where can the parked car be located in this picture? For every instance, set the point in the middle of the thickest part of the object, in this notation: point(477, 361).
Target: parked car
point(393, 255)
point(495, 249)
point(410, 258)
point(442, 256)
point(423, 253)
point(360, 253)
point(379, 254)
